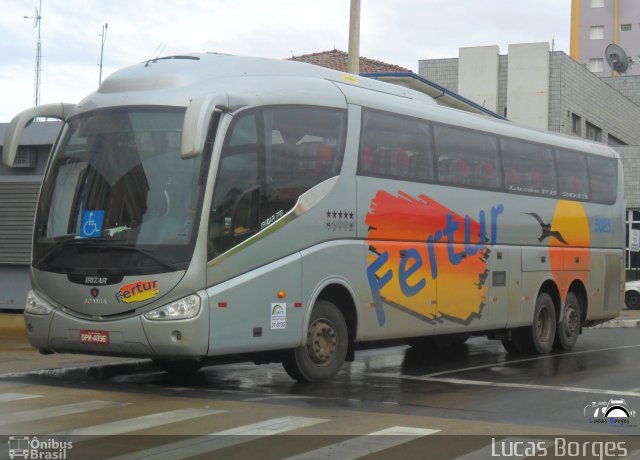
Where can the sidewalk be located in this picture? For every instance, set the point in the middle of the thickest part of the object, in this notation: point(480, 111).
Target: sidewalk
point(626, 318)
point(11, 325)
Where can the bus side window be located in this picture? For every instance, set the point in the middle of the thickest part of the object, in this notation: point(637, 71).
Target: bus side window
point(511, 177)
point(466, 157)
point(395, 146)
point(603, 173)
point(528, 167)
point(572, 175)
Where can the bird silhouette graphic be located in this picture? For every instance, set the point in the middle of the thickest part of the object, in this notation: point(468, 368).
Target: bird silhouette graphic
point(546, 230)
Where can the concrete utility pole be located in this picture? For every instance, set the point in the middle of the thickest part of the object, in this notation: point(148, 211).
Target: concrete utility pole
point(353, 63)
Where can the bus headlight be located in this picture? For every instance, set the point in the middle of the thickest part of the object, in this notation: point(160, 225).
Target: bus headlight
point(36, 305)
point(185, 308)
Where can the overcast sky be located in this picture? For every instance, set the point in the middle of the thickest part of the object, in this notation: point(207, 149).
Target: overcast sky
point(399, 32)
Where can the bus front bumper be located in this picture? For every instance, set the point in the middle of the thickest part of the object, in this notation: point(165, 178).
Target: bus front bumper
point(134, 336)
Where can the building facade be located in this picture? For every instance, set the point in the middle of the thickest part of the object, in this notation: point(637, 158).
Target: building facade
point(597, 23)
point(19, 188)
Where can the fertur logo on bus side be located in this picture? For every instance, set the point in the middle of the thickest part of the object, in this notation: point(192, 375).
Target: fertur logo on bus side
point(412, 243)
point(137, 292)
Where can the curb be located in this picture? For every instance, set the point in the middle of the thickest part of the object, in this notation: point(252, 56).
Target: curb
point(11, 324)
point(618, 323)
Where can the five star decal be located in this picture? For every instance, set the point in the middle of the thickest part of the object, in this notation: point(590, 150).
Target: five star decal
point(340, 220)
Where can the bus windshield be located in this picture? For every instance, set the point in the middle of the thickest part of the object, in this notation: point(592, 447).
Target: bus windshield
point(117, 196)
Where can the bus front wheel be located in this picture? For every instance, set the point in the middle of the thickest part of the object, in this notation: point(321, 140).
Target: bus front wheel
point(326, 348)
point(538, 338)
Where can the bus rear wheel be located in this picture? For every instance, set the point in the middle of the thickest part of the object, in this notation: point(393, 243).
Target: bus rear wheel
point(568, 328)
point(326, 348)
point(538, 338)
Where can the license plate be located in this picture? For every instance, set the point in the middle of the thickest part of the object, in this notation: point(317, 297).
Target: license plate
point(98, 337)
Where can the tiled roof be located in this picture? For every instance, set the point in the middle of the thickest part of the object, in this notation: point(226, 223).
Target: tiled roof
point(337, 60)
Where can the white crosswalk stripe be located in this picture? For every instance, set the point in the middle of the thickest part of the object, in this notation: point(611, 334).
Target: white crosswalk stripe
point(352, 448)
point(6, 397)
point(55, 411)
point(139, 423)
point(367, 444)
point(222, 439)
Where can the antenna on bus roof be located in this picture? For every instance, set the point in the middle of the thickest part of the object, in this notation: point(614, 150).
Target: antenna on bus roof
point(617, 58)
point(156, 53)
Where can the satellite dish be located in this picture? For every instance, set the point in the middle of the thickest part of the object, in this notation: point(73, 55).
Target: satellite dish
point(617, 58)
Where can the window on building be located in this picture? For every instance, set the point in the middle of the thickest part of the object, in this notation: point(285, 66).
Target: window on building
point(576, 124)
point(26, 157)
point(596, 32)
point(625, 27)
point(596, 65)
point(593, 132)
point(597, 3)
point(613, 141)
point(632, 259)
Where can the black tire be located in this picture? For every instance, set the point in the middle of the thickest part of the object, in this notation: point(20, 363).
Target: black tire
point(179, 366)
point(510, 345)
point(632, 300)
point(568, 329)
point(326, 348)
point(444, 343)
point(538, 338)
point(421, 343)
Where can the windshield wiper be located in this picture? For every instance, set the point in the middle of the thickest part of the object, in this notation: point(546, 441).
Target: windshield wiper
point(147, 253)
point(62, 240)
point(73, 240)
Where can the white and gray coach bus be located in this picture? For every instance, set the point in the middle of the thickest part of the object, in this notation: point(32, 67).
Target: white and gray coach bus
point(206, 205)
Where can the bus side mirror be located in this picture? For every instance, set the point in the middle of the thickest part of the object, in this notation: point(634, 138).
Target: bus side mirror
point(14, 130)
point(196, 123)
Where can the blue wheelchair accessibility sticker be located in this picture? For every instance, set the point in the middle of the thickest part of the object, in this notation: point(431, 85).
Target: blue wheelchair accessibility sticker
point(91, 226)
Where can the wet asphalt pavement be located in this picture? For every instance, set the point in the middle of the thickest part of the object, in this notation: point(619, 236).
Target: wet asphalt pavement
point(477, 382)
